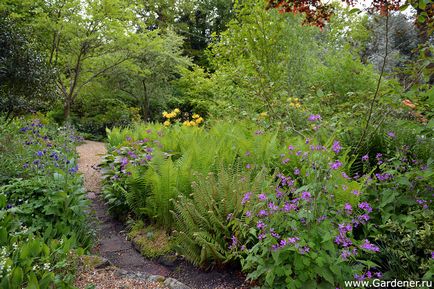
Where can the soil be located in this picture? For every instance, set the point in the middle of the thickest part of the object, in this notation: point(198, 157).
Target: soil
point(113, 245)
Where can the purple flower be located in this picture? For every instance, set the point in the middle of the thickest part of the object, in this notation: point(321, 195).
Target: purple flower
point(314, 117)
point(272, 206)
point(336, 147)
point(247, 153)
point(296, 172)
point(260, 225)
point(356, 192)
point(348, 208)
point(383, 177)
point(304, 250)
point(369, 247)
point(293, 240)
point(132, 155)
point(246, 197)
point(149, 150)
point(259, 132)
point(289, 207)
point(248, 214)
point(345, 176)
point(248, 166)
point(124, 162)
point(391, 134)
point(148, 157)
point(234, 242)
point(229, 217)
point(73, 170)
point(128, 138)
point(365, 206)
point(432, 255)
point(305, 196)
point(279, 193)
point(262, 197)
point(262, 213)
point(335, 165)
point(39, 153)
point(291, 148)
point(322, 218)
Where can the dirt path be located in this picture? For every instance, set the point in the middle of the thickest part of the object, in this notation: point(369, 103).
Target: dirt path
point(113, 245)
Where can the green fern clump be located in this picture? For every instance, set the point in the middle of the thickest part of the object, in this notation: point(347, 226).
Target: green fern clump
point(202, 220)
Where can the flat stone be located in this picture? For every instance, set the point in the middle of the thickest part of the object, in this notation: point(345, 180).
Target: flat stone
point(113, 244)
point(175, 284)
point(156, 278)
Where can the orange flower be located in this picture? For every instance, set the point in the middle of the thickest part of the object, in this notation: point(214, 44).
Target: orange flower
point(408, 103)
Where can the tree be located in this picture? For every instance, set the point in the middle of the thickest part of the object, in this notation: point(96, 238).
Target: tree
point(26, 83)
point(145, 80)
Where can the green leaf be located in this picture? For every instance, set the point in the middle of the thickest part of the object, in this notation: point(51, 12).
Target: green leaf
point(404, 7)
point(422, 4)
point(421, 19)
point(3, 236)
point(17, 277)
point(269, 279)
point(327, 275)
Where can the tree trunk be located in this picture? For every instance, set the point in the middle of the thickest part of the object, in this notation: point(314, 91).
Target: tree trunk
point(67, 109)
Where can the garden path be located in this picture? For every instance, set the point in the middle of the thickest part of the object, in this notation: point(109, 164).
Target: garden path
point(113, 245)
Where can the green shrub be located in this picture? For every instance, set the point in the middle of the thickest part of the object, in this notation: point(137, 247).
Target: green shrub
point(43, 225)
point(203, 234)
point(303, 232)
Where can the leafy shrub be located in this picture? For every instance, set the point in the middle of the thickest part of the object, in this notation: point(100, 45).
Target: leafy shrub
point(402, 192)
point(203, 234)
point(304, 232)
point(42, 204)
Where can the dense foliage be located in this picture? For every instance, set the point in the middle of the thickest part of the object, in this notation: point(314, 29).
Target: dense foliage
point(292, 140)
point(42, 203)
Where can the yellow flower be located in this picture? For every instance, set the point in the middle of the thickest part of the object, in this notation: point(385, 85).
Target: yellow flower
point(176, 110)
point(195, 116)
point(186, 123)
point(199, 120)
point(170, 115)
point(263, 114)
point(192, 123)
point(292, 104)
point(164, 113)
point(166, 123)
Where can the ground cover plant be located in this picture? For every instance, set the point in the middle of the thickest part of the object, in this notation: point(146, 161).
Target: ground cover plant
point(42, 205)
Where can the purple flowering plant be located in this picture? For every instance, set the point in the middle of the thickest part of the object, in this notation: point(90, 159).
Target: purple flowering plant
point(304, 228)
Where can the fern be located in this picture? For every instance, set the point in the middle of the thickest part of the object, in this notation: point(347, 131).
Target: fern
point(203, 233)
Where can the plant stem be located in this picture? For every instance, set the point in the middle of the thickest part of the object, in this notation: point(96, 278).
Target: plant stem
point(377, 90)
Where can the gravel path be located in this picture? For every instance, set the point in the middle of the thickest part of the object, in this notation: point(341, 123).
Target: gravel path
point(131, 267)
point(111, 244)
